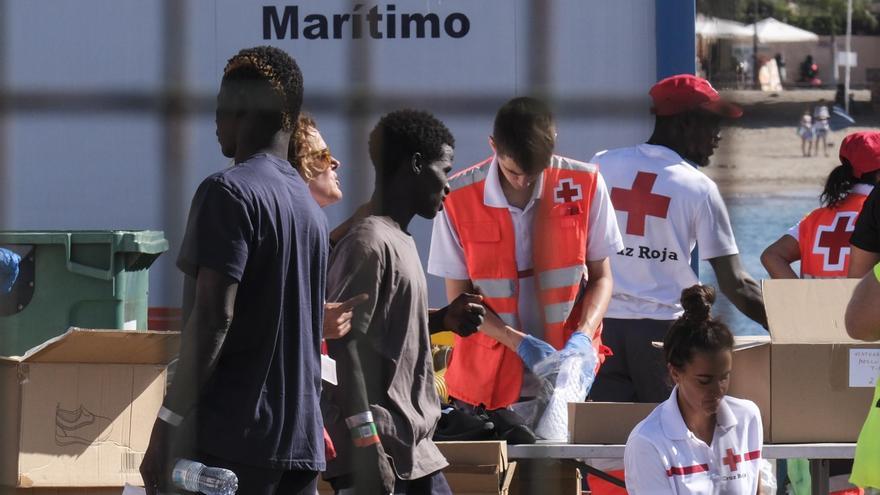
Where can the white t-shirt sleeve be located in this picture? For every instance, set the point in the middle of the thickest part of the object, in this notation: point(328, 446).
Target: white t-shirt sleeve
point(604, 239)
point(446, 257)
point(794, 231)
point(644, 468)
point(714, 232)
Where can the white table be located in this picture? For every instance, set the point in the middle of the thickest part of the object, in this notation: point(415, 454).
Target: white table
point(817, 453)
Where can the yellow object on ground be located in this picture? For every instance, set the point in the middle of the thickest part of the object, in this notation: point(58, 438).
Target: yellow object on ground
point(443, 338)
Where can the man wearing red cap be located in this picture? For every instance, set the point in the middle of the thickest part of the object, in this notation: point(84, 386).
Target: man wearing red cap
point(865, 241)
point(665, 206)
point(821, 240)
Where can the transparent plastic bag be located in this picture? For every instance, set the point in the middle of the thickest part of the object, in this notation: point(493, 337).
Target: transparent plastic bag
point(566, 376)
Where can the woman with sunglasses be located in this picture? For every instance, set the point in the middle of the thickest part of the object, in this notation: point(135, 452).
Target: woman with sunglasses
point(310, 155)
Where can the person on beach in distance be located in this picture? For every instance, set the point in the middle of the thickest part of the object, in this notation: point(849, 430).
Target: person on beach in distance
point(665, 208)
point(805, 131)
point(245, 396)
point(384, 411)
point(821, 240)
point(699, 440)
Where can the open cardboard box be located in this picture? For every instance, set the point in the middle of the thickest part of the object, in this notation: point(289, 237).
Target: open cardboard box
point(812, 382)
point(78, 410)
point(477, 467)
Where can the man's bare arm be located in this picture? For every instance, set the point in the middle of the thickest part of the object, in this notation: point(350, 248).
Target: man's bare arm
point(863, 312)
point(597, 295)
point(202, 338)
point(861, 261)
point(742, 290)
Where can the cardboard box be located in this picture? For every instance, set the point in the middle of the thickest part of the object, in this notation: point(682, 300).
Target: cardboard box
point(546, 476)
point(477, 467)
point(604, 422)
point(813, 383)
point(78, 410)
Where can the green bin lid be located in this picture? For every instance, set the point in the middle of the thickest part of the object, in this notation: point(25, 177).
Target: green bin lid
point(122, 241)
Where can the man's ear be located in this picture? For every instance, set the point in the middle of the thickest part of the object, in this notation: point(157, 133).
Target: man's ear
point(492, 144)
point(416, 163)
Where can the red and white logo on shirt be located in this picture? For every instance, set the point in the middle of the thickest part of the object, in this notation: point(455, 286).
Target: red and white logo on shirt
point(640, 203)
point(567, 191)
point(832, 241)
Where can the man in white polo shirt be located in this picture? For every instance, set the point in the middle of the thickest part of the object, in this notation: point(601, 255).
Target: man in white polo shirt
point(665, 207)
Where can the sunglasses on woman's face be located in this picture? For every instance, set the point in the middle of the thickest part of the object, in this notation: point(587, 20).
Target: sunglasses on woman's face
point(323, 155)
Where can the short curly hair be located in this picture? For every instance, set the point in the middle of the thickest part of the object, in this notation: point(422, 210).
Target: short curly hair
point(402, 133)
point(299, 147)
point(278, 69)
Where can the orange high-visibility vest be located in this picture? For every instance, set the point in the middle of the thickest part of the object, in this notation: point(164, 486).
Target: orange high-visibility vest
point(823, 236)
point(483, 371)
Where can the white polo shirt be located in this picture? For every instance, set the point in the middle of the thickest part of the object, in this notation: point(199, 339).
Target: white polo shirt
point(446, 258)
point(664, 206)
point(663, 457)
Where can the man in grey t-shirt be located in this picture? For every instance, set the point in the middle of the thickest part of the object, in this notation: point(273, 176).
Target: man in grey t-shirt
point(385, 409)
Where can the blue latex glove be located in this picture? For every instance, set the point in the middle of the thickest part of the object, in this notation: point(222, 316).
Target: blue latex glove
point(578, 343)
point(9, 263)
point(532, 351)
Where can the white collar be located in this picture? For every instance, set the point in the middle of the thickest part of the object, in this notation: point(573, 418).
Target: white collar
point(673, 423)
point(862, 188)
point(493, 195)
point(662, 152)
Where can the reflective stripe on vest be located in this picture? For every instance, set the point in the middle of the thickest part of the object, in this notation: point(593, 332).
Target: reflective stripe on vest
point(866, 468)
point(470, 175)
point(557, 313)
point(501, 287)
point(561, 277)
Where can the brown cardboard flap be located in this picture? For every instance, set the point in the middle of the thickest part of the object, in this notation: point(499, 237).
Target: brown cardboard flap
point(604, 422)
point(485, 453)
point(808, 311)
point(83, 346)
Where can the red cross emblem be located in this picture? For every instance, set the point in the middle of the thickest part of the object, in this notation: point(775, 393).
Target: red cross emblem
point(567, 191)
point(732, 460)
point(832, 241)
point(639, 202)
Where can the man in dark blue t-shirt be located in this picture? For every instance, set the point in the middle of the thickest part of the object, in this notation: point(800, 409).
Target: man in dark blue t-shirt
point(246, 392)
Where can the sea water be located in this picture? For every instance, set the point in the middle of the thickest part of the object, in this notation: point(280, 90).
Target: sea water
point(758, 220)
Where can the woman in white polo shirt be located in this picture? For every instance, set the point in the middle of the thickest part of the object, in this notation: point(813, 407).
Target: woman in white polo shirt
point(699, 440)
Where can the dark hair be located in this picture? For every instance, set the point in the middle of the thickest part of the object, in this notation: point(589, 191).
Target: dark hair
point(696, 330)
point(525, 131)
point(401, 134)
point(275, 67)
point(840, 181)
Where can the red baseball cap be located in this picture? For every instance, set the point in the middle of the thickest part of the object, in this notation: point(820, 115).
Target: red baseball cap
point(685, 93)
point(862, 151)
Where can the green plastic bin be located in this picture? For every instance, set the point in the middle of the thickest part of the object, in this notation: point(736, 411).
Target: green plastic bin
point(87, 279)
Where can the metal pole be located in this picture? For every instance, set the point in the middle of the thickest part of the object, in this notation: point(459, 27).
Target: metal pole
point(174, 139)
point(848, 55)
point(755, 48)
point(5, 172)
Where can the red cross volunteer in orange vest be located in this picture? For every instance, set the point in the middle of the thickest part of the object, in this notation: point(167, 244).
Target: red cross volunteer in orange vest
point(532, 232)
point(821, 240)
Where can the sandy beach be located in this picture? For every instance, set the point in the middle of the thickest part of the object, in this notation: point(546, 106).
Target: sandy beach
point(760, 152)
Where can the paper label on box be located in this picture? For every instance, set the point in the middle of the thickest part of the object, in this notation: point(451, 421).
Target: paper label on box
point(328, 369)
point(864, 367)
point(130, 325)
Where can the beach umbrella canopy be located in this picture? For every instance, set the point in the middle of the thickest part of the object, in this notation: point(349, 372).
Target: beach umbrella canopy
point(840, 119)
point(772, 31)
point(713, 27)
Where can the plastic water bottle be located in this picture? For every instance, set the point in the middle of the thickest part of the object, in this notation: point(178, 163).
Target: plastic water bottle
point(196, 477)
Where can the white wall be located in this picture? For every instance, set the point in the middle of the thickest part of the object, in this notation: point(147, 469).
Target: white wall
point(76, 171)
